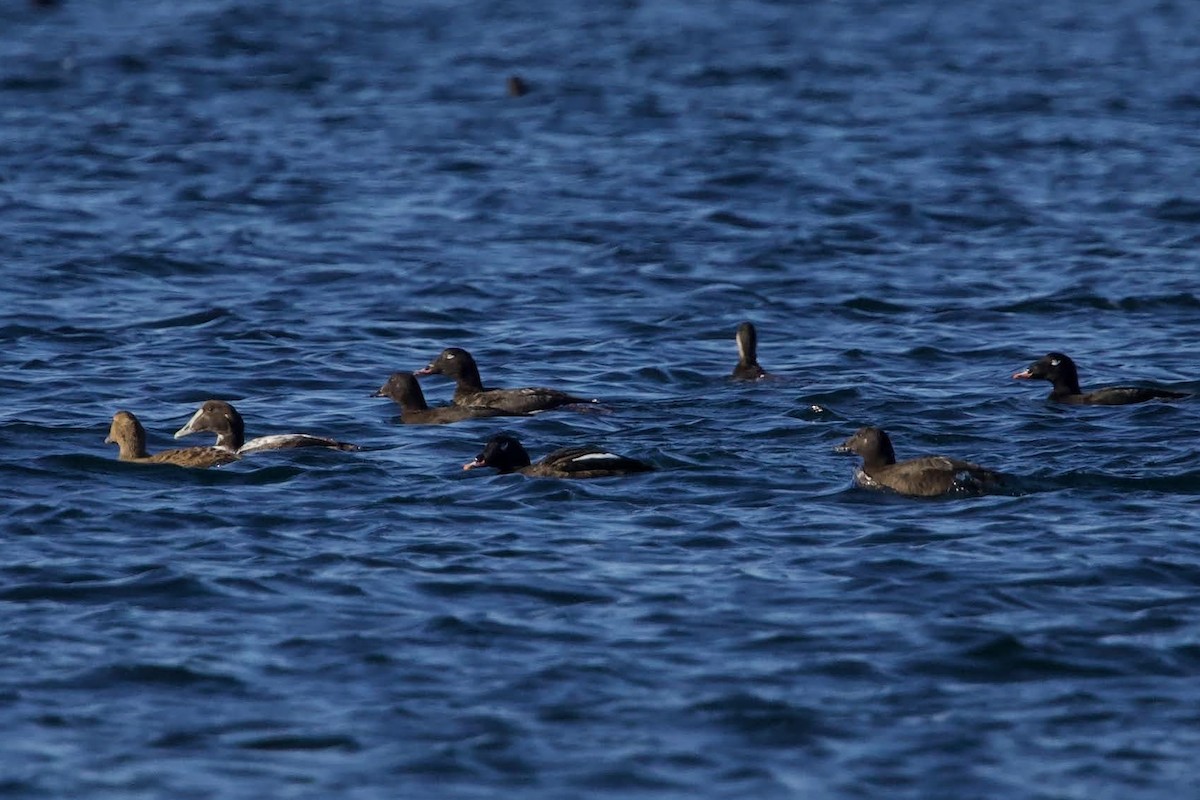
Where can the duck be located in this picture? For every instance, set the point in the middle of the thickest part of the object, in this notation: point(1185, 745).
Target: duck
point(403, 388)
point(1064, 377)
point(516, 86)
point(927, 476)
point(506, 454)
point(747, 368)
point(127, 433)
point(221, 418)
point(458, 365)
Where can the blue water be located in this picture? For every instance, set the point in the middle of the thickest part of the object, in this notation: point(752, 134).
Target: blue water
point(278, 204)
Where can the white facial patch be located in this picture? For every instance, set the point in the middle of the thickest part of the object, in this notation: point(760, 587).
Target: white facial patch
point(450, 356)
point(1054, 362)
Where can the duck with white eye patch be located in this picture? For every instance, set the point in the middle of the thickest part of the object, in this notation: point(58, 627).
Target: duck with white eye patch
point(927, 476)
point(1064, 378)
point(458, 365)
point(221, 418)
point(506, 454)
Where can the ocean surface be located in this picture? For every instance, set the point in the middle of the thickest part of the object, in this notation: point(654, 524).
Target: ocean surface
point(280, 203)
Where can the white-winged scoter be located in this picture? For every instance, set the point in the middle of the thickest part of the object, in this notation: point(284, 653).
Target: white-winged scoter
point(458, 365)
point(927, 476)
point(402, 387)
point(506, 454)
point(1060, 371)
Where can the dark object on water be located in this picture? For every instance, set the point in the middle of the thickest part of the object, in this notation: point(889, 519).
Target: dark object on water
point(128, 434)
point(505, 453)
point(747, 368)
point(402, 387)
point(1060, 371)
point(516, 85)
point(927, 476)
point(458, 365)
point(221, 418)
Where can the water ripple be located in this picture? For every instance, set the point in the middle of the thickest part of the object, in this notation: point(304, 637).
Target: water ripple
point(281, 204)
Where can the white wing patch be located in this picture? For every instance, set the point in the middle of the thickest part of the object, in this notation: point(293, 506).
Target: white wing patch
point(595, 457)
point(280, 441)
point(866, 481)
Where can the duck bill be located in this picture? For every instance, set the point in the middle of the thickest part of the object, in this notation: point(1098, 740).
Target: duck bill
point(1023, 375)
point(109, 440)
point(476, 464)
point(191, 426)
point(842, 448)
point(429, 370)
point(380, 393)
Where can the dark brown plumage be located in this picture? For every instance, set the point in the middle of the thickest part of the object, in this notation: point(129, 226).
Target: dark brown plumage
point(506, 454)
point(1064, 378)
point(221, 418)
point(927, 476)
point(747, 368)
point(516, 86)
point(128, 434)
point(402, 387)
point(458, 365)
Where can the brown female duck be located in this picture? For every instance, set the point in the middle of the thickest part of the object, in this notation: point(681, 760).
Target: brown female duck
point(402, 387)
point(128, 434)
point(458, 365)
point(927, 476)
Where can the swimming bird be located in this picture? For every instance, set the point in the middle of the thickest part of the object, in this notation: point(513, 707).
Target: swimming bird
point(458, 365)
point(221, 418)
point(127, 433)
point(506, 454)
point(927, 476)
point(516, 86)
point(1060, 371)
point(747, 368)
point(402, 387)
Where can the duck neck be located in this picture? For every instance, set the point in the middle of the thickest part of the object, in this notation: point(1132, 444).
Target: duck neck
point(467, 381)
point(415, 400)
point(132, 446)
point(232, 439)
point(883, 455)
point(875, 461)
point(747, 345)
point(1065, 385)
point(132, 451)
